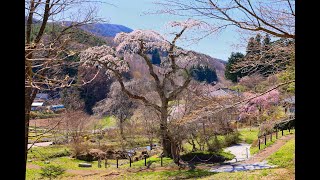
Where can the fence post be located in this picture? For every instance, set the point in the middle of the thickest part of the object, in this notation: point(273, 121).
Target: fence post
point(117, 162)
point(178, 161)
point(130, 161)
point(247, 152)
point(265, 139)
point(289, 129)
point(277, 133)
point(99, 162)
point(106, 163)
point(145, 160)
point(271, 136)
point(259, 143)
point(161, 160)
point(282, 131)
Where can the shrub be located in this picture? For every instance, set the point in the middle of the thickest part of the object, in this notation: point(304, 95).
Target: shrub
point(51, 171)
point(239, 88)
point(207, 157)
point(215, 146)
point(41, 115)
point(79, 148)
point(232, 138)
point(61, 153)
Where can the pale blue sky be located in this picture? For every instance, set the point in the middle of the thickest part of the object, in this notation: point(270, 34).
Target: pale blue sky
point(130, 13)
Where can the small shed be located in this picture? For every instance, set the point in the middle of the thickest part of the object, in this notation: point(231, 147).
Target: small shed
point(36, 105)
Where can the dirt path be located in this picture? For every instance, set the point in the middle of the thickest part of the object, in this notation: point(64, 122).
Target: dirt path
point(257, 161)
point(241, 151)
point(263, 154)
point(41, 144)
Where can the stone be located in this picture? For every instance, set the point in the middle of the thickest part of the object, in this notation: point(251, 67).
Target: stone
point(85, 165)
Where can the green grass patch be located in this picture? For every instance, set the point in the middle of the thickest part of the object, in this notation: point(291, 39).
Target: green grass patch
point(284, 156)
point(67, 163)
point(227, 155)
point(42, 153)
point(155, 161)
point(72, 163)
point(32, 174)
point(106, 122)
point(35, 174)
point(248, 136)
point(42, 115)
point(255, 149)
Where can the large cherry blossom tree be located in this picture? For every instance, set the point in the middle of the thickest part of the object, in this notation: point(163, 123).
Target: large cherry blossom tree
point(167, 82)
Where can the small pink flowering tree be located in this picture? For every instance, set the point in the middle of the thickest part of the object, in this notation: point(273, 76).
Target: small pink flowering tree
point(257, 106)
point(168, 81)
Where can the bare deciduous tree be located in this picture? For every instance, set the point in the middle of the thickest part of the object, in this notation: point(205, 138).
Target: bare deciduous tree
point(276, 17)
point(46, 45)
point(74, 123)
point(117, 104)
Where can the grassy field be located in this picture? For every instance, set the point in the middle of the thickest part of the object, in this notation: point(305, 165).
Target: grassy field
point(284, 157)
point(33, 174)
point(43, 153)
point(255, 149)
point(108, 121)
point(59, 155)
point(153, 161)
point(265, 174)
point(248, 136)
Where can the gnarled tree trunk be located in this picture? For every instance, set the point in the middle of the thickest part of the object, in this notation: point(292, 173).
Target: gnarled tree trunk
point(165, 139)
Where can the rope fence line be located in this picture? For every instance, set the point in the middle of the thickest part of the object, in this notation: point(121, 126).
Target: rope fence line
point(281, 126)
point(180, 159)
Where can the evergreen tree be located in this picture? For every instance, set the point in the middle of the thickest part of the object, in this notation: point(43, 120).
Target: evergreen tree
point(258, 38)
point(203, 74)
point(155, 59)
point(266, 42)
point(257, 44)
point(250, 46)
point(233, 59)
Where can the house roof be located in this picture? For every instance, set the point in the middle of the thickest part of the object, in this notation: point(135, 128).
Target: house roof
point(37, 104)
